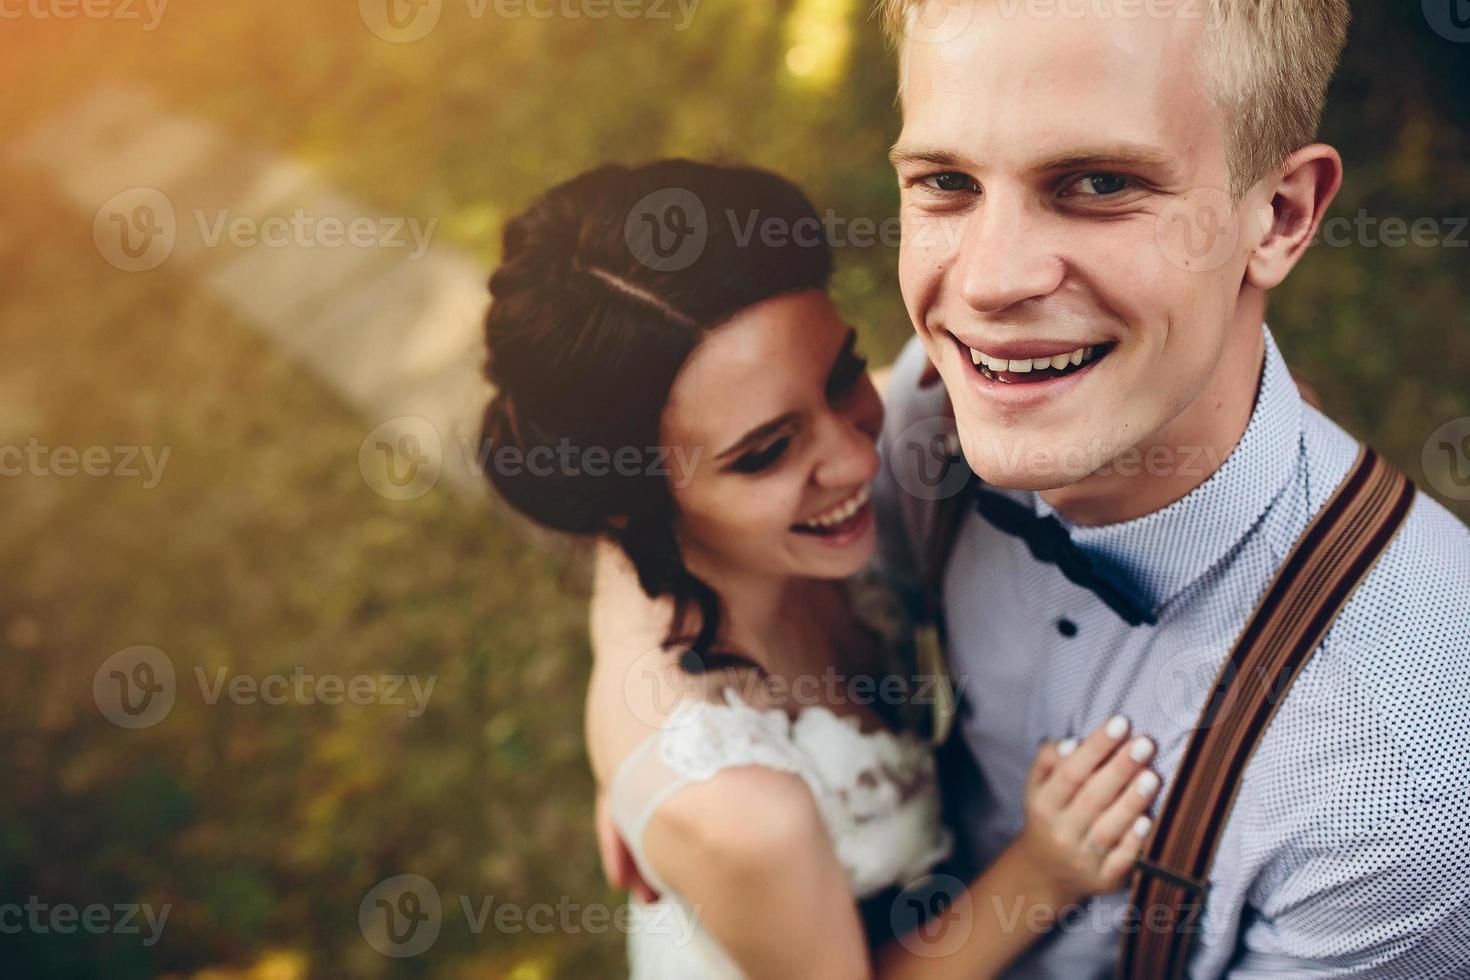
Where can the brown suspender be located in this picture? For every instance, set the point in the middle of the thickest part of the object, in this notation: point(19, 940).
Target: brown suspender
point(1329, 561)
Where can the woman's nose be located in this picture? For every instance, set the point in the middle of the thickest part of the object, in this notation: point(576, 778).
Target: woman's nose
point(849, 454)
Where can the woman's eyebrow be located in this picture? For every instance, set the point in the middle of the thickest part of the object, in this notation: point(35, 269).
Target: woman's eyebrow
point(760, 432)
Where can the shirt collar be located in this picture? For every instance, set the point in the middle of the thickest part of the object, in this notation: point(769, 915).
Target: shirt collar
point(1159, 555)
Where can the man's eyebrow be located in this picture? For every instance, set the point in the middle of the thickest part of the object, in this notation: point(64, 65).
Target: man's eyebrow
point(1115, 155)
point(758, 433)
point(902, 153)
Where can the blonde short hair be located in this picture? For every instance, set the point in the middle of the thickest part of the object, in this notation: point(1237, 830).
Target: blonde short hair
point(1269, 63)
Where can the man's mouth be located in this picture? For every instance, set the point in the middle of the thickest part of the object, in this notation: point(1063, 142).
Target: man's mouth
point(1050, 365)
point(838, 520)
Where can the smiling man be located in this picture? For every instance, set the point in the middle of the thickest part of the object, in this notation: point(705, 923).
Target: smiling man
point(1097, 199)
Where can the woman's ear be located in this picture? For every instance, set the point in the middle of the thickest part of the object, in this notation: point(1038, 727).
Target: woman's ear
point(1293, 209)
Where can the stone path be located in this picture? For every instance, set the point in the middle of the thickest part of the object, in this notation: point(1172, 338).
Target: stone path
point(370, 302)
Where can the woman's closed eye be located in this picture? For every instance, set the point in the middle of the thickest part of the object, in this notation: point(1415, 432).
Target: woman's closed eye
point(845, 374)
point(846, 369)
point(760, 459)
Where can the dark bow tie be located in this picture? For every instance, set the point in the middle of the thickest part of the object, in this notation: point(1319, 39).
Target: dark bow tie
point(1049, 542)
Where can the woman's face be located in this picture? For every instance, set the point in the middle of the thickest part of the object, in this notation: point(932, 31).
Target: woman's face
point(778, 421)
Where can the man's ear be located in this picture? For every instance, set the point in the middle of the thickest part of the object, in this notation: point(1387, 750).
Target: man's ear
point(1295, 206)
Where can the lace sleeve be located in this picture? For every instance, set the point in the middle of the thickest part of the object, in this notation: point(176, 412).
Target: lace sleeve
point(699, 739)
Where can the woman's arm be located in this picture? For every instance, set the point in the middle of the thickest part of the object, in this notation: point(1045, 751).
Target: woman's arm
point(749, 852)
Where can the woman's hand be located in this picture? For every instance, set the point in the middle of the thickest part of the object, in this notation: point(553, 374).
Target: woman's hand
point(1086, 806)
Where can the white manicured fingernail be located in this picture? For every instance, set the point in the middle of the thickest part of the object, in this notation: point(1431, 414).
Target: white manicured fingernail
point(1147, 783)
point(1066, 747)
point(1142, 826)
point(1141, 749)
point(1117, 727)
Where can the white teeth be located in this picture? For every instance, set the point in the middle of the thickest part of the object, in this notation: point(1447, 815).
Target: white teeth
point(841, 512)
point(1056, 362)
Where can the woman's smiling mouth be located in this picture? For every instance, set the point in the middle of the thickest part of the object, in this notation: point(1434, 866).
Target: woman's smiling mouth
point(840, 519)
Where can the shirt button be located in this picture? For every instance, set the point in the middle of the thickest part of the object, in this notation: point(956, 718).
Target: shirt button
point(1066, 627)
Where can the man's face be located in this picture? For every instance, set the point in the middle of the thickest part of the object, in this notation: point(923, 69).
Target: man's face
point(1064, 215)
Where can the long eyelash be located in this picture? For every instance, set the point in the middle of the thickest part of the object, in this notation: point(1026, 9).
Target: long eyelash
point(847, 373)
point(761, 459)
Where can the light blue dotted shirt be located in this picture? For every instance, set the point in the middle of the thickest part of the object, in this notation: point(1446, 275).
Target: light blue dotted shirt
point(1347, 852)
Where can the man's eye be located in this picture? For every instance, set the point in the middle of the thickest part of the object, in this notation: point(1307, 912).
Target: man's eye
point(1100, 185)
point(761, 459)
point(949, 181)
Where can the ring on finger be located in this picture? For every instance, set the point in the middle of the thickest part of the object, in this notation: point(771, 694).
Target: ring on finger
point(1096, 848)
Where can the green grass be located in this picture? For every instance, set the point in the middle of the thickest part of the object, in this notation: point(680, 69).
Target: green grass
point(260, 550)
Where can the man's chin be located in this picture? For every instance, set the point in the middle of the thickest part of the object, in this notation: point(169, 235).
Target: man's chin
point(1034, 465)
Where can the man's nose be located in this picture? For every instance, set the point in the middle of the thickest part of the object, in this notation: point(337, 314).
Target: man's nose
point(1005, 257)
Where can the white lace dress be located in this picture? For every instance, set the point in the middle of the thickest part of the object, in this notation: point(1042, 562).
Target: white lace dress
point(876, 793)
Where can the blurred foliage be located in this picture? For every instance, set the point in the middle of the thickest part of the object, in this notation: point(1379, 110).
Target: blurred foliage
point(263, 550)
